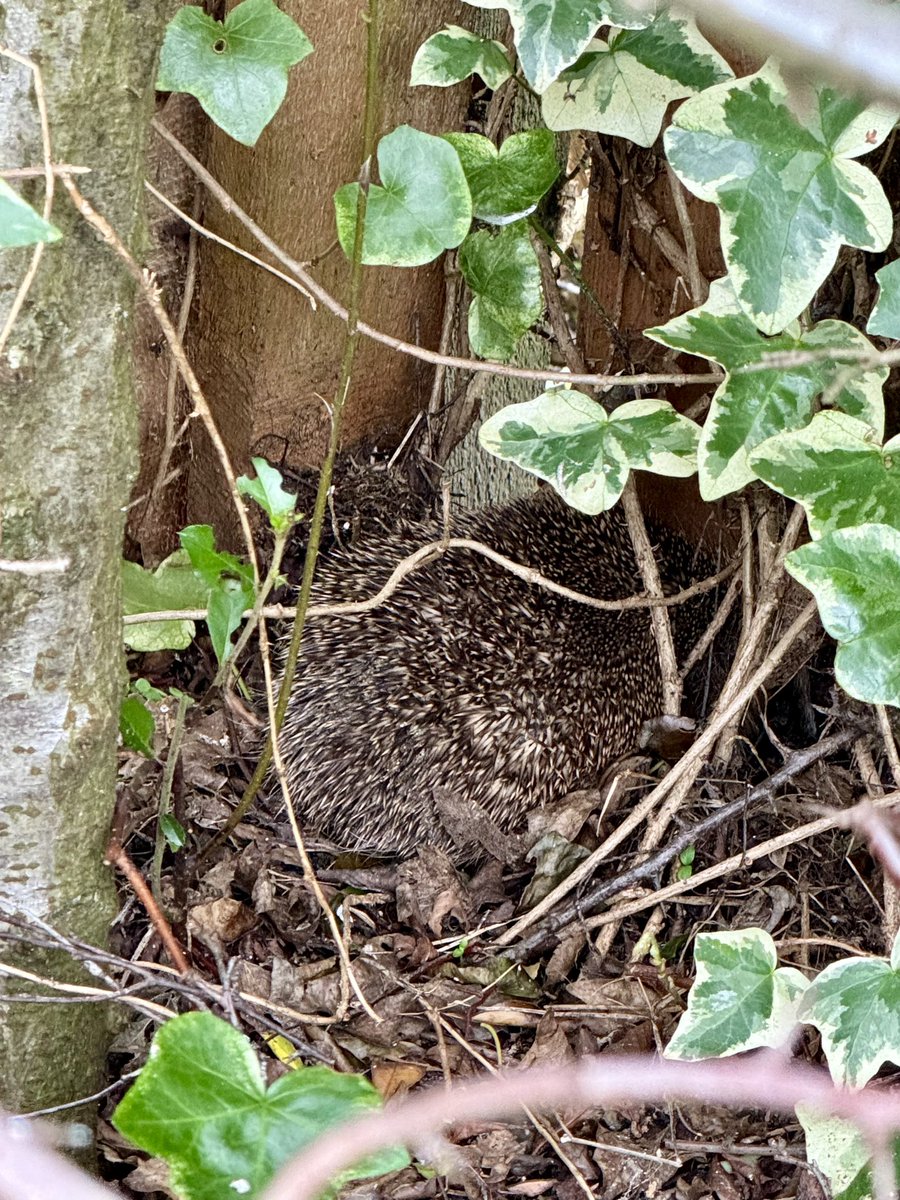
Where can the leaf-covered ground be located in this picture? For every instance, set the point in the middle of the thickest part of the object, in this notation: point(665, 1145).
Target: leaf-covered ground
point(442, 1000)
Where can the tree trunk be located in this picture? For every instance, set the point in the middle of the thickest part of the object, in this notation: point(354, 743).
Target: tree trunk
point(269, 363)
point(67, 457)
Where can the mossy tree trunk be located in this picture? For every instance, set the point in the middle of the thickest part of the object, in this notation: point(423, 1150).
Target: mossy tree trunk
point(67, 457)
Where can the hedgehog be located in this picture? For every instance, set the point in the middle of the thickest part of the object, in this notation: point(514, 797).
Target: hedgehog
point(471, 680)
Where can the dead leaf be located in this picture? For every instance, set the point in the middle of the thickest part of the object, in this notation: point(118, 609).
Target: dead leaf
point(396, 1079)
point(221, 921)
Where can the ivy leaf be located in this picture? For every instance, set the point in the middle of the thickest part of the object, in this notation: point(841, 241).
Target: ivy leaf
point(741, 998)
point(624, 87)
point(839, 1150)
point(750, 406)
point(854, 575)
point(567, 439)
point(268, 492)
point(201, 1104)
point(137, 726)
point(422, 208)
point(237, 69)
point(777, 162)
point(855, 1005)
point(173, 831)
point(885, 318)
point(454, 54)
point(503, 272)
point(550, 34)
point(172, 585)
point(838, 471)
point(506, 184)
point(20, 225)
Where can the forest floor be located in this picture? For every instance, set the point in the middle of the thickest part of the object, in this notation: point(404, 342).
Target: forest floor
point(444, 1001)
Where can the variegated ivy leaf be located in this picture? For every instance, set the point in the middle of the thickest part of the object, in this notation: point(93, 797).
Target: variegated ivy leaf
point(422, 208)
point(837, 469)
point(750, 406)
point(777, 162)
point(741, 998)
point(550, 34)
point(624, 86)
point(854, 575)
point(840, 1152)
point(506, 184)
point(566, 438)
point(502, 270)
point(20, 225)
point(885, 318)
point(855, 1005)
point(454, 54)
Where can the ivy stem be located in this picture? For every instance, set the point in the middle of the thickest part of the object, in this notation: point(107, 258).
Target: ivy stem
point(165, 797)
point(569, 263)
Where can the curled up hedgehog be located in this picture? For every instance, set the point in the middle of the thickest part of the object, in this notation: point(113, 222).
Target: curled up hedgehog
point(472, 681)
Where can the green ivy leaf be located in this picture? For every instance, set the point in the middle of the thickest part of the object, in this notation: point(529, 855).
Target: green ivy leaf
point(566, 438)
point(172, 585)
point(201, 1104)
point(237, 69)
point(778, 164)
point(741, 998)
point(624, 87)
point(454, 54)
point(503, 272)
point(855, 1005)
point(268, 491)
point(506, 184)
point(422, 208)
point(550, 34)
point(137, 726)
point(854, 575)
point(749, 407)
point(885, 318)
point(838, 471)
point(20, 225)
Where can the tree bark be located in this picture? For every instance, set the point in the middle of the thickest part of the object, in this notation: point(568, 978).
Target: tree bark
point(268, 362)
point(67, 458)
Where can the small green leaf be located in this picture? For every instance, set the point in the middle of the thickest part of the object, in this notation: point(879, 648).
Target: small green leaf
point(454, 54)
point(550, 34)
point(507, 184)
point(173, 832)
point(741, 998)
point(20, 225)
point(229, 582)
point(237, 69)
point(211, 564)
point(137, 726)
point(624, 87)
point(503, 272)
point(885, 318)
point(777, 161)
point(172, 585)
point(566, 438)
point(837, 470)
point(201, 1104)
point(854, 575)
point(752, 405)
point(422, 208)
point(855, 1005)
point(146, 689)
point(267, 490)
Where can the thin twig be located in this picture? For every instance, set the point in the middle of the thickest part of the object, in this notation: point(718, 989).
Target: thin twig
point(49, 187)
